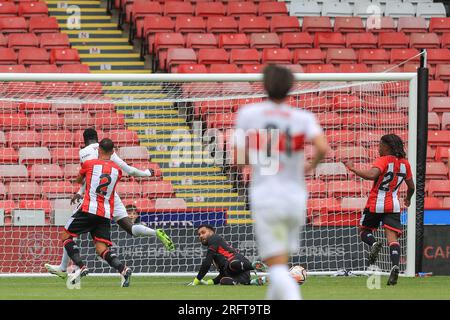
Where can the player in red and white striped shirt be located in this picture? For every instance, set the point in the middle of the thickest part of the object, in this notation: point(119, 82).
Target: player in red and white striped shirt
point(96, 212)
point(388, 172)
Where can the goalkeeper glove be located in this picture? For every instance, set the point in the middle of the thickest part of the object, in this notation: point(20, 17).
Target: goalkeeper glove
point(197, 282)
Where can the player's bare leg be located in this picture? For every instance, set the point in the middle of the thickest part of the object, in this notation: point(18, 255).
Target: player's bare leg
point(103, 251)
point(281, 286)
point(394, 249)
point(74, 253)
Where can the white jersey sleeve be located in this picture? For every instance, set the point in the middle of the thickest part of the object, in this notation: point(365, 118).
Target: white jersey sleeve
point(241, 125)
point(313, 129)
point(132, 171)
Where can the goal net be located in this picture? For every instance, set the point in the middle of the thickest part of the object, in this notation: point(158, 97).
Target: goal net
point(181, 127)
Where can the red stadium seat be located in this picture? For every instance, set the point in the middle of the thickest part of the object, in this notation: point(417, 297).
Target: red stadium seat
point(331, 171)
point(276, 56)
point(24, 190)
point(74, 68)
point(240, 9)
point(294, 40)
point(36, 205)
point(144, 165)
point(330, 120)
point(7, 56)
point(432, 203)
point(22, 40)
point(317, 188)
point(308, 56)
point(8, 9)
point(33, 9)
point(171, 203)
point(221, 25)
point(55, 89)
point(54, 41)
point(129, 189)
point(445, 39)
point(201, 41)
point(65, 155)
point(46, 172)
point(437, 171)
point(233, 41)
point(57, 138)
point(391, 40)
point(355, 154)
point(280, 24)
point(43, 68)
point(363, 40)
point(434, 122)
point(3, 41)
point(440, 24)
point(401, 55)
point(13, 25)
point(133, 153)
point(44, 25)
point(176, 8)
point(386, 68)
point(71, 171)
point(143, 205)
point(349, 68)
point(270, 9)
point(382, 24)
point(317, 24)
point(19, 68)
point(13, 172)
point(158, 189)
point(223, 68)
point(64, 56)
point(254, 24)
point(446, 121)
point(164, 41)
point(244, 56)
point(438, 138)
point(192, 68)
point(412, 24)
point(438, 188)
point(176, 56)
point(139, 9)
point(253, 68)
point(220, 121)
point(442, 153)
point(438, 56)
point(13, 121)
point(152, 25)
point(339, 189)
point(353, 204)
point(319, 206)
point(431, 153)
point(329, 40)
point(346, 103)
point(213, 56)
point(209, 9)
point(109, 120)
point(14, 89)
point(18, 139)
point(29, 56)
point(186, 24)
point(67, 106)
point(264, 40)
point(437, 88)
point(123, 137)
point(45, 121)
point(8, 155)
point(77, 121)
point(348, 24)
point(33, 155)
point(373, 56)
point(60, 190)
point(8, 206)
point(341, 55)
point(439, 104)
point(424, 41)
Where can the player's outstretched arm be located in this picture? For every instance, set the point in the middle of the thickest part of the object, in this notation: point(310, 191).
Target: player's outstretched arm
point(321, 145)
point(371, 174)
point(204, 269)
point(132, 171)
point(410, 192)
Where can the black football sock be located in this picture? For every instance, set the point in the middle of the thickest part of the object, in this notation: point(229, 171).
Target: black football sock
point(112, 260)
point(74, 252)
point(394, 249)
point(367, 237)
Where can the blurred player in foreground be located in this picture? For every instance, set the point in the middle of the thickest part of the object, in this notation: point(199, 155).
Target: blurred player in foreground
point(277, 134)
point(387, 172)
point(89, 152)
point(233, 267)
point(95, 213)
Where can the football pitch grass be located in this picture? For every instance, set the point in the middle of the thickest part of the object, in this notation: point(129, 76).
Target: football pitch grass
point(175, 288)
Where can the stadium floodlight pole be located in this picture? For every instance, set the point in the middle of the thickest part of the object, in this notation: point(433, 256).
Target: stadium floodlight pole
point(422, 141)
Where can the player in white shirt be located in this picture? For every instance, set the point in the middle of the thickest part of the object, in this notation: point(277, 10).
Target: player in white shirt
point(276, 137)
point(90, 152)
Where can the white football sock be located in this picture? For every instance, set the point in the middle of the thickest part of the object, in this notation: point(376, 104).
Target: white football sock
point(281, 285)
point(140, 230)
point(64, 261)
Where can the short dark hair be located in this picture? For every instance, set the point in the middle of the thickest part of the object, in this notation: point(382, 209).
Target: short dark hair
point(278, 81)
point(207, 226)
point(396, 145)
point(90, 134)
point(131, 207)
point(106, 145)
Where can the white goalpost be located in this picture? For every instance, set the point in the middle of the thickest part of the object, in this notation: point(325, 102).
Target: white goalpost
point(180, 125)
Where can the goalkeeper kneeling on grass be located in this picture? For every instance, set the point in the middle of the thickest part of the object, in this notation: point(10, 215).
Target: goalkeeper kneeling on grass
point(233, 267)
